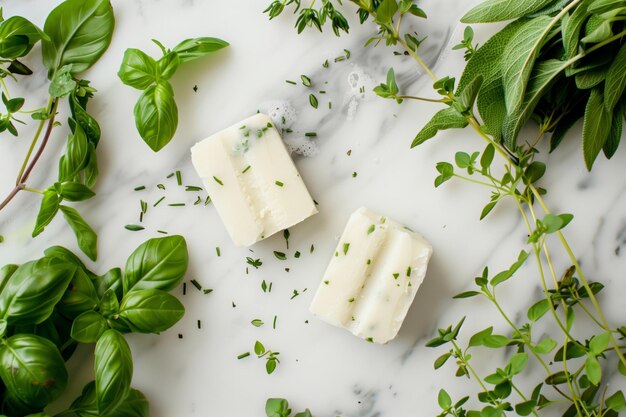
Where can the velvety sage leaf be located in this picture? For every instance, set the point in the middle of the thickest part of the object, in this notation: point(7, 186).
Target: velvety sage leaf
point(167, 65)
point(601, 32)
point(32, 370)
point(447, 118)
point(158, 263)
point(566, 122)
point(17, 37)
point(191, 49)
point(596, 127)
point(137, 70)
point(62, 83)
point(85, 236)
point(88, 327)
point(500, 10)
point(617, 127)
point(79, 32)
point(156, 115)
point(571, 26)
point(593, 369)
point(79, 297)
point(113, 369)
point(615, 84)
point(616, 402)
point(74, 191)
point(48, 209)
point(538, 310)
point(590, 78)
point(33, 290)
point(467, 98)
point(151, 311)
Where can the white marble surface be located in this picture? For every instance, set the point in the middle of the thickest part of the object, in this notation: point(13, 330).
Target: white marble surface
point(323, 368)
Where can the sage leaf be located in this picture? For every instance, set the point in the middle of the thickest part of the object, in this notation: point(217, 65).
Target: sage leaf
point(596, 127)
point(571, 25)
point(85, 236)
point(78, 31)
point(467, 98)
point(138, 69)
point(32, 370)
point(191, 49)
point(114, 371)
point(156, 115)
point(615, 135)
point(151, 311)
point(500, 10)
point(448, 118)
point(615, 84)
point(158, 263)
point(88, 327)
point(48, 209)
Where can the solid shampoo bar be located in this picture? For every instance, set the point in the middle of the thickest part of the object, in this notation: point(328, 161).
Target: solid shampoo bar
point(372, 277)
point(252, 180)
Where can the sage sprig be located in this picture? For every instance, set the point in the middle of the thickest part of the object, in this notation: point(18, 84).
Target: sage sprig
point(156, 113)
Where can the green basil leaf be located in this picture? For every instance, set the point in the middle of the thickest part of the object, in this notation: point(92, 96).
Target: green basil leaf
point(114, 371)
point(85, 236)
point(596, 127)
point(80, 295)
point(90, 173)
point(48, 209)
point(134, 405)
point(615, 84)
point(88, 327)
point(500, 10)
point(76, 153)
point(158, 263)
point(156, 115)
point(277, 407)
point(79, 32)
point(34, 289)
point(56, 328)
point(151, 311)
point(167, 65)
point(109, 304)
point(138, 70)
point(5, 273)
point(85, 120)
point(74, 191)
point(191, 49)
point(68, 256)
point(112, 279)
point(32, 370)
point(17, 37)
point(62, 83)
point(447, 118)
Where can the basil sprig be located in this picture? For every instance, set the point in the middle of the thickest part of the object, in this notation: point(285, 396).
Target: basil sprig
point(156, 113)
point(49, 305)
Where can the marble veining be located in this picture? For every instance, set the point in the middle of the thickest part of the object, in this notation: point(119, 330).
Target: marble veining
point(323, 368)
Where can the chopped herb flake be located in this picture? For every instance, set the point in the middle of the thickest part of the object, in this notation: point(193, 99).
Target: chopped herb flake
point(371, 229)
point(141, 187)
point(176, 204)
point(246, 169)
point(134, 227)
point(158, 201)
point(310, 134)
point(243, 355)
point(217, 180)
point(306, 81)
point(218, 251)
point(196, 284)
point(296, 255)
point(257, 323)
point(279, 183)
point(313, 101)
point(280, 255)
point(408, 271)
point(179, 178)
point(346, 246)
point(193, 188)
point(290, 82)
point(256, 263)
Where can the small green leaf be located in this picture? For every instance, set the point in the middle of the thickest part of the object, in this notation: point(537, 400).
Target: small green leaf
point(156, 115)
point(191, 49)
point(599, 343)
point(447, 118)
point(466, 294)
point(441, 360)
point(151, 311)
point(525, 408)
point(593, 369)
point(386, 11)
point(495, 341)
point(462, 160)
point(621, 368)
point(534, 172)
point(546, 345)
point(487, 209)
point(48, 209)
point(277, 407)
point(88, 327)
point(596, 127)
point(518, 362)
point(538, 310)
point(259, 349)
point(85, 236)
point(487, 158)
point(167, 65)
point(478, 338)
point(137, 70)
point(616, 402)
point(468, 95)
point(570, 316)
point(74, 191)
point(444, 400)
point(62, 84)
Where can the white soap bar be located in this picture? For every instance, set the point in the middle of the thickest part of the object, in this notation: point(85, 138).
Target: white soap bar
point(252, 180)
point(372, 278)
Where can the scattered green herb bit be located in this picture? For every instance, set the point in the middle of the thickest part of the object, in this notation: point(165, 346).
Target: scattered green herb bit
point(199, 324)
point(330, 105)
point(371, 229)
point(370, 339)
point(180, 335)
point(312, 248)
point(176, 204)
point(196, 284)
point(346, 246)
point(163, 232)
point(243, 355)
point(264, 286)
point(195, 88)
point(134, 227)
point(369, 262)
point(184, 288)
point(217, 180)
point(158, 201)
point(207, 291)
point(193, 188)
point(246, 169)
point(288, 130)
point(354, 174)
point(141, 187)
point(313, 101)
point(315, 202)
point(274, 322)
point(198, 201)
point(326, 282)
point(256, 263)
point(269, 289)
point(279, 183)
point(408, 271)
point(286, 235)
point(340, 58)
point(351, 299)
point(217, 250)
point(395, 275)
point(306, 81)
point(349, 152)
point(242, 127)
point(290, 82)
point(179, 178)
point(257, 322)
point(233, 304)
point(336, 253)
point(280, 255)
point(161, 186)
point(383, 219)
point(141, 217)
point(170, 175)
point(347, 53)
point(207, 201)
point(310, 134)
point(295, 294)
point(322, 91)
point(296, 255)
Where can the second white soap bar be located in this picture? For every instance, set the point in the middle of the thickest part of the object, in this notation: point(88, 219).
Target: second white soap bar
point(252, 180)
point(372, 277)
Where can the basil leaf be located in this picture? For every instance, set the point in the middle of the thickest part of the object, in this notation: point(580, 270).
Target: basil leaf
point(90, 173)
point(32, 370)
point(33, 290)
point(167, 65)
point(191, 49)
point(88, 327)
point(5, 273)
point(138, 70)
point(114, 371)
point(112, 279)
point(134, 405)
point(109, 304)
point(158, 263)
point(73, 191)
point(85, 236)
point(79, 32)
point(85, 120)
point(500, 10)
point(48, 209)
point(62, 83)
point(80, 296)
point(17, 37)
point(596, 127)
point(66, 255)
point(56, 328)
point(151, 311)
point(76, 153)
point(156, 115)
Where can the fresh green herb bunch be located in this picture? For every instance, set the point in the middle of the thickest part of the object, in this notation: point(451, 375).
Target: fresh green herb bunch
point(49, 305)
point(310, 16)
point(573, 371)
point(156, 113)
point(279, 407)
point(76, 33)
